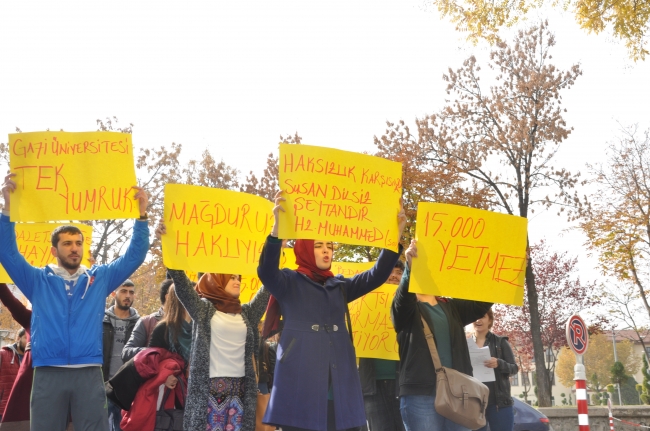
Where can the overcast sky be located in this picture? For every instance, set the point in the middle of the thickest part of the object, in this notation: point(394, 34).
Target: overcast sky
point(232, 76)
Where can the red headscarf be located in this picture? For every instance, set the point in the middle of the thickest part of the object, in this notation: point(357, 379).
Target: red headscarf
point(211, 286)
point(306, 261)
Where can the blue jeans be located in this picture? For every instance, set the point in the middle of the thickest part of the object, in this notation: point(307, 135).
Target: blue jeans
point(501, 419)
point(419, 414)
point(114, 416)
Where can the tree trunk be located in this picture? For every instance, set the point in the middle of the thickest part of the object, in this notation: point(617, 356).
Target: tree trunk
point(542, 380)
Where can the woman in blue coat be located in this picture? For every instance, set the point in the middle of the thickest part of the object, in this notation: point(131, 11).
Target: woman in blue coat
point(316, 384)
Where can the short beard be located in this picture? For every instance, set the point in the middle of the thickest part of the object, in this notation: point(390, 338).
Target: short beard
point(68, 265)
point(122, 307)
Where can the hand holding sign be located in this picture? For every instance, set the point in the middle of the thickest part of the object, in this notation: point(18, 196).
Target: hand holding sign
point(143, 200)
point(276, 213)
point(8, 188)
point(339, 195)
point(214, 230)
point(411, 252)
point(469, 253)
point(64, 176)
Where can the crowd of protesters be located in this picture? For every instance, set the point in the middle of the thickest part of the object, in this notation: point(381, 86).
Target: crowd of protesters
point(203, 360)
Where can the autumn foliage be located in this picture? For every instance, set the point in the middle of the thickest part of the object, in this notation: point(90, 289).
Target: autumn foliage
point(561, 294)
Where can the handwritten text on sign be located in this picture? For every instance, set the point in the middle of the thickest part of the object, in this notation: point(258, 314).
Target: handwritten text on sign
point(374, 334)
point(72, 176)
point(469, 253)
point(339, 195)
point(214, 230)
point(34, 241)
point(350, 269)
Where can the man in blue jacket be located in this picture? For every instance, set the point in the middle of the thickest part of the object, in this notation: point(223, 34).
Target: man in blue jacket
point(68, 302)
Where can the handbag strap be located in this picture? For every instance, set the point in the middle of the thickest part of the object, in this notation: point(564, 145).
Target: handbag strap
point(432, 344)
point(169, 391)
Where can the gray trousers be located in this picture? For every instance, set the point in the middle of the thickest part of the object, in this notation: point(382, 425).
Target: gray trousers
point(57, 391)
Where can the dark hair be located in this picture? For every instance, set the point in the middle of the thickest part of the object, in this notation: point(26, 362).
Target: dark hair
point(21, 332)
point(72, 230)
point(127, 283)
point(164, 288)
point(490, 315)
point(173, 316)
point(399, 265)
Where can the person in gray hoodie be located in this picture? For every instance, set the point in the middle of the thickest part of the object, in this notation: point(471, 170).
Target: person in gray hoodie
point(119, 321)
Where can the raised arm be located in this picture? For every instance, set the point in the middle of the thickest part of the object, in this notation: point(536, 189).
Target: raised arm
point(186, 293)
point(257, 305)
point(268, 270)
point(404, 303)
point(122, 268)
point(368, 281)
point(507, 365)
point(20, 271)
point(18, 311)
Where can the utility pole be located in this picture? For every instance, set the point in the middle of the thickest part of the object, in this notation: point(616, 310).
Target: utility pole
point(618, 386)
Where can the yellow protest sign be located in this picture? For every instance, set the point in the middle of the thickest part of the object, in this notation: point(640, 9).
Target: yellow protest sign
point(214, 230)
point(469, 253)
point(373, 331)
point(339, 195)
point(72, 176)
point(34, 241)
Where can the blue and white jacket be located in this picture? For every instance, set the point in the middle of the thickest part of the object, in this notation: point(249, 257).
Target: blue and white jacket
point(68, 310)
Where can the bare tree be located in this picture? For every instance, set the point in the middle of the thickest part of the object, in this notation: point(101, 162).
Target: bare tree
point(617, 218)
point(505, 137)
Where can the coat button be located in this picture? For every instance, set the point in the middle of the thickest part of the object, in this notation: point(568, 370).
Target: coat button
point(333, 365)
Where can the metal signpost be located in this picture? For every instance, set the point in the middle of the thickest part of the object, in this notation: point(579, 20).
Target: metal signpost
point(578, 339)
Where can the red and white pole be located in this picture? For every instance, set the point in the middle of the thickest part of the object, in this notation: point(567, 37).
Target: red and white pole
point(581, 395)
point(611, 417)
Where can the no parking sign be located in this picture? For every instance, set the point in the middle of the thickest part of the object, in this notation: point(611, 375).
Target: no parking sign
point(578, 339)
point(576, 335)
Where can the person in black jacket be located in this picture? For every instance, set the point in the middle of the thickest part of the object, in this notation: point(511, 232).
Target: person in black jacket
point(417, 378)
point(499, 413)
point(379, 383)
point(119, 321)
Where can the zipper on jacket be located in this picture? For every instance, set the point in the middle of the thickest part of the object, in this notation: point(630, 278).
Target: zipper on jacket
point(70, 298)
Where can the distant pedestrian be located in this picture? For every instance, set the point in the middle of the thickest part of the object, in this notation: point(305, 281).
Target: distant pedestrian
point(119, 321)
point(499, 414)
point(10, 358)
